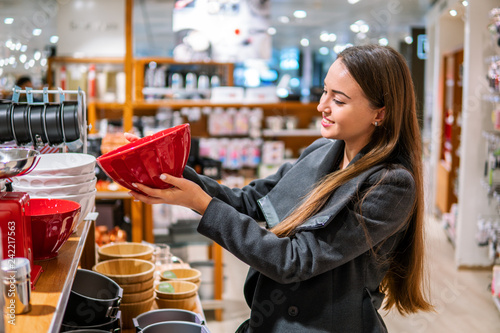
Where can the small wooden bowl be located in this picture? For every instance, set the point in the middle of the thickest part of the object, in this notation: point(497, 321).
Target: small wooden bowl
point(132, 310)
point(125, 250)
point(183, 274)
point(183, 289)
point(130, 288)
point(126, 271)
point(137, 297)
point(184, 303)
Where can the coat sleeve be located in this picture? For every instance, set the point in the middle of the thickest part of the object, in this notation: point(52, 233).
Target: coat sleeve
point(244, 200)
point(312, 252)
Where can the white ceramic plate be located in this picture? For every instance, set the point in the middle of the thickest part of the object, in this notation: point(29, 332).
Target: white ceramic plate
point(51, 181)
point(57, 190)
point(64, 164)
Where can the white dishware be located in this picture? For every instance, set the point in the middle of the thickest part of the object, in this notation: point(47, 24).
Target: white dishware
point(77, 188)
point(66, 164)
point(51, 181)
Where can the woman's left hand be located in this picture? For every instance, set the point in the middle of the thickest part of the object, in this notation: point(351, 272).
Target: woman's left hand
point(183, 193)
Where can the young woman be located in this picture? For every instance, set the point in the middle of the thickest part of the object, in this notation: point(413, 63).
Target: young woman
point(344, 222)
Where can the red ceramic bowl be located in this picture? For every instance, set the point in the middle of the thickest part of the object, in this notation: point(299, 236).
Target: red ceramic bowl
point(144, 160)
point(52, 221)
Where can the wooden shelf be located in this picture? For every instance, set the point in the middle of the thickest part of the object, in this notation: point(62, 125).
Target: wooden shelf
point(295, 132)
point(52, 290)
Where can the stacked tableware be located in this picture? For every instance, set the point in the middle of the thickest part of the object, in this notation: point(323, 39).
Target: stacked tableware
point(69, 176)
point(136, 278)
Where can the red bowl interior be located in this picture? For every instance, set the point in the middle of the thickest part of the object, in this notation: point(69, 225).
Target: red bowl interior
point(144, 160)
point(52, 221)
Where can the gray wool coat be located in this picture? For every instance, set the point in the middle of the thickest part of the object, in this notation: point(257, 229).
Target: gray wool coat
point(324, 278)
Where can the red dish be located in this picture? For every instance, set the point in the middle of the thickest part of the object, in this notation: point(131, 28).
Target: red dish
point(52, 221)
point(144, 160)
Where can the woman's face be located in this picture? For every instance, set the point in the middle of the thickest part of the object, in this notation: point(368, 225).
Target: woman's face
point(347, 114)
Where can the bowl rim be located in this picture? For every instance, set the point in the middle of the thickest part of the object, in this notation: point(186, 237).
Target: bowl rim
point(151, 270)
point(125, 256)
point(44, 157)
point(77, 206)
point(189, 292)
point(164, 279)
point(49, 188)
point(142, 141)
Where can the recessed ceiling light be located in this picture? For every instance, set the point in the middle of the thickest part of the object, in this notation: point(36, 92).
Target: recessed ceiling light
point(43, 62)
point(24, 48)
point(383, 41)
point(37, 32)
point(37, 55)
point(284, 19)
point(8, 20)
point(465, 3)
point(332, 37)
point(324, 37)
point(271, 31)
point(453, 12)
point(300, 14)
point(324, 50)
point(54, 39)
point(408, 40)
point(304, 42)
point(23, 58)
point(352, 2)
point(354, 28)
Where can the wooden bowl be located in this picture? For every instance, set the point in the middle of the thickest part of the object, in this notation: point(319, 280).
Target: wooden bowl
point(188, 303)
point(137, 297)
point(183, 274)
point(132, 310)
point(183, 289)
point(126, 271)
point(125, 250)
point(130, 288)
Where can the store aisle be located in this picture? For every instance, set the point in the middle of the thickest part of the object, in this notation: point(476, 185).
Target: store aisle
point(462, 299)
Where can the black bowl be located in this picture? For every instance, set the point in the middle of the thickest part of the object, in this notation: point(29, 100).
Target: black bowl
point(20, 123)
point(94, 299)
point(36, 122)
point(176, 326)
point(53, 124)
point(163, 315)
point(5, 116)
point(70, 123)
point(113, 325)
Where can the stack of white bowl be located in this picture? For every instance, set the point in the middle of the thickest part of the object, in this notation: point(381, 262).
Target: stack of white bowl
point(69, 176)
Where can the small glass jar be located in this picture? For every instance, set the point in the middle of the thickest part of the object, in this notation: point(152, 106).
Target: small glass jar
point(16, 285)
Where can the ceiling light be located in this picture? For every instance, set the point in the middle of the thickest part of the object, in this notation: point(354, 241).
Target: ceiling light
point(364, 28)
point(26, 66)
point(324, 37)
point(352, 2)
point(37, 32)
point(465, 3)
point(332, 37)
point(271, 31)
point(304, 42)
point(24, 48)
point(1, 62)
point(43, 62)
point(12, 60)
point(338, 48)
point(8, 43)
point(453, 12)
point(18, 46)
point(383, 41)
point(300, 14)
point(324, 50)
point(31, 62)
point(23, 58)
point(354, 28)
point(8, 20)
point(54, 39)
point(284, 19)
point(37, 55)
point(408, 40)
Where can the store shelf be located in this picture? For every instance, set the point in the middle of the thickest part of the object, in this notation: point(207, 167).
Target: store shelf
point(295, 132)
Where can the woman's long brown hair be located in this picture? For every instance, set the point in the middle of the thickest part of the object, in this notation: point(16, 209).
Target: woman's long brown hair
point(384, 77)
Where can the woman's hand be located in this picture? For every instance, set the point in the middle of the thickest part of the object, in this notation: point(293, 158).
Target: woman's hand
point(183, 193)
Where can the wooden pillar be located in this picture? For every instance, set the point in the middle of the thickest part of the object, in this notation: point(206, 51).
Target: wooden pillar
point(128, 110)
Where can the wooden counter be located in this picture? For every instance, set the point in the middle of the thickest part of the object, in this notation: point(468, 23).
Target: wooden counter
point(51, 292)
